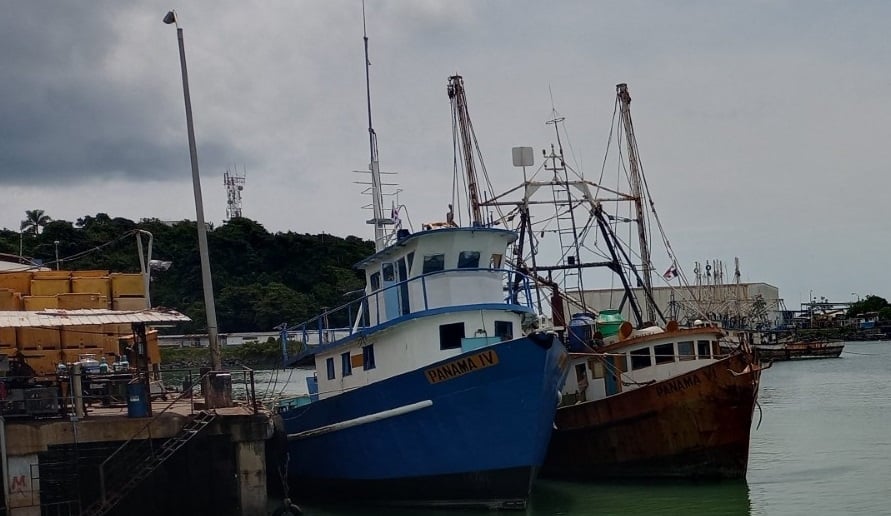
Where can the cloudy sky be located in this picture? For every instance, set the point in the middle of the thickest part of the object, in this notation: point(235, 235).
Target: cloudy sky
point(763, 126)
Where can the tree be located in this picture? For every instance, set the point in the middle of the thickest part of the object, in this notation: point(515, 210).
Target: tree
point(34, 221)
point(868, 304)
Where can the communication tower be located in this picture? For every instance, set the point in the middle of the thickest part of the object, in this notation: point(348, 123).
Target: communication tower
point(234, 185)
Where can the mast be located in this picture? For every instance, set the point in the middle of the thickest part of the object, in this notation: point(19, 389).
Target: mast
point(461, 116)
point(377, 196)
point(624, 99)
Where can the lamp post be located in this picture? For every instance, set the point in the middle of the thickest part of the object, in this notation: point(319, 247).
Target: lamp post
point(213, 338)
point(56, 244)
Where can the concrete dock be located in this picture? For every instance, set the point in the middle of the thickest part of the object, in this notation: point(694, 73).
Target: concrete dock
point(184, 459)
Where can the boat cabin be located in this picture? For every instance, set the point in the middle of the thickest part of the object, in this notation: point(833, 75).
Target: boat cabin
point(429, 296)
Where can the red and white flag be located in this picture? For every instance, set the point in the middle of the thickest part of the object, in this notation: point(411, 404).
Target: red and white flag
point(671, 273)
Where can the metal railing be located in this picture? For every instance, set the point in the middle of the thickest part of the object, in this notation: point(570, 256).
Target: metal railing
point(356, 316)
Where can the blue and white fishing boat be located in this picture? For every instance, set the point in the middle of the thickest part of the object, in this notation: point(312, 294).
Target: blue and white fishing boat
point(431, 389)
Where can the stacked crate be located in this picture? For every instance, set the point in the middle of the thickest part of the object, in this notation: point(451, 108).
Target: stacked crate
point(10, 300)
point(127, 291)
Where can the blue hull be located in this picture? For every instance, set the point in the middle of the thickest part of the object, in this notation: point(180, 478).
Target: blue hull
point(453, 433)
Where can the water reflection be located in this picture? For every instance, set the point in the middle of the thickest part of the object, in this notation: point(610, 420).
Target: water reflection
point(553, 498)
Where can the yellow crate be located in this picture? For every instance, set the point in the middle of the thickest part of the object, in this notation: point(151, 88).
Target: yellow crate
point(18, 281)
point(37, 303)
point(10, 300)
point(38, 338)
point(43, 362)
point(127, 285)
point(7, 338)
point(117, 330)
point(86, 285)
point(52, 275)
point(89, 274)
point(50, 287)
point(128, 303)
point(82, 336)
point(82, 301)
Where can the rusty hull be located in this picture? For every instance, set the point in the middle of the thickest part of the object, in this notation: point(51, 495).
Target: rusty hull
point(694, 425)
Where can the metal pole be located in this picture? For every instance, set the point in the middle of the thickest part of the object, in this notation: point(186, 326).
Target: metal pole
point(56, 243)
point(214, 343)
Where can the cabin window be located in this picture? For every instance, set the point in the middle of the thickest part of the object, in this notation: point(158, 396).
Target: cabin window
point(581, 376)
point(596, 367)
point(640, 358)
point(410, 259)
point(450, 335)
point(686, 351)
point(664, 353)
point(704, 348)
point(368, 357)
point(345, 364)
point(468, 259)
point(329, 363)
point(376, 281)
point(495, 261)
point(433, 263)
point(504, 330)
point(389, 272)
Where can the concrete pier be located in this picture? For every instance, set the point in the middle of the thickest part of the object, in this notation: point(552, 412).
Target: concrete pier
point(52, 466)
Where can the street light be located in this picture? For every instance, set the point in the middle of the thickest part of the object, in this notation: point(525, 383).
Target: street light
point(857, 295)
point(56, 243)
point(214, 342)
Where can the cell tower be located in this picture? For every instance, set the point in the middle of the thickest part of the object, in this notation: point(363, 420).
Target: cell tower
point(234, 185)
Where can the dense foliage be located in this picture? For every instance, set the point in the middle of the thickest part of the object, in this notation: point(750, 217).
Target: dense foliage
point(260, 279)
point(871, 304)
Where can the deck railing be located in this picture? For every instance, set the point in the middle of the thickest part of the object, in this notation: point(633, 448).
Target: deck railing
point(356, 316)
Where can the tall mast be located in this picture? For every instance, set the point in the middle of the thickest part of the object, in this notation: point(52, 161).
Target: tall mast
point(637, 192)
point(459, 112)
point(377, 195)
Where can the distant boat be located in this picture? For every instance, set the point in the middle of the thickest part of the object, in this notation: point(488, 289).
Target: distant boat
point(429, 389)
point(799, 349)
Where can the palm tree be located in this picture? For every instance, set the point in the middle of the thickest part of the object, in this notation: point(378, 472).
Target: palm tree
point(34, 221)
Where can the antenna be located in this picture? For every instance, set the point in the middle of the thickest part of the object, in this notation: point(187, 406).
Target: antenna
point(234, 184)
point(377, 198)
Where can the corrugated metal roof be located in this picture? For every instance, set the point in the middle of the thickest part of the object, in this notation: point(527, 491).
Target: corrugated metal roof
point(96, 316)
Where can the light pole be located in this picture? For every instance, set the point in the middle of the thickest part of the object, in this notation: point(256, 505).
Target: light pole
point(213, 338)
point(56, 244)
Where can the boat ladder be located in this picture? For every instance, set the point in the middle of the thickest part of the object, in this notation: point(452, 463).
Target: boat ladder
point(135, 461)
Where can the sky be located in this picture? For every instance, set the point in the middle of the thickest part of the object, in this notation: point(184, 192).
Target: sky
point(763, 126)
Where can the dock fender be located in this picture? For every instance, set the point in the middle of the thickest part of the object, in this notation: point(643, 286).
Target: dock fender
point(543, 339)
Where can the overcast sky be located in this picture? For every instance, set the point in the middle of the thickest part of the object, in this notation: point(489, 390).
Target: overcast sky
point(763, 126)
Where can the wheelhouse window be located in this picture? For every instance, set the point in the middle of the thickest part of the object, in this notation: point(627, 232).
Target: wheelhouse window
point(450, 335)
point(705, 348)
point(329, 363)
point(345, 364)
point(664, 353)
point(495, 261)
point(640, 359)
point(504, 330)
point(376, 281)
point(686, 351)
point(389, 272)
point(368, 357)
point(468, 259)
point(434, 263)
point(596, 367)
point(410, 259)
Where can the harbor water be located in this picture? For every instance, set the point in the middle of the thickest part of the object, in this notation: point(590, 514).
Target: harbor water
point(821, 444)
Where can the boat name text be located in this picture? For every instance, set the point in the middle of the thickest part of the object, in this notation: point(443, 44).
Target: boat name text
point(462, 366)
point(677, 385)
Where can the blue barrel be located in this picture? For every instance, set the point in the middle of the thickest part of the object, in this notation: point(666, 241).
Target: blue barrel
point(581, 332)
point(137, 400)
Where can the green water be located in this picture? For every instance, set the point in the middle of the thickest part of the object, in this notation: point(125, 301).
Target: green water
point(823, 447)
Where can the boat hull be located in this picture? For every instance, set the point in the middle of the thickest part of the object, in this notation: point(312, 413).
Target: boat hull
point(438, 436)
point(800, 350)
point(694, 425)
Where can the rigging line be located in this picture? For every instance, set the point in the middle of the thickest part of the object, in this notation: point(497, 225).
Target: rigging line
point(98, 247)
